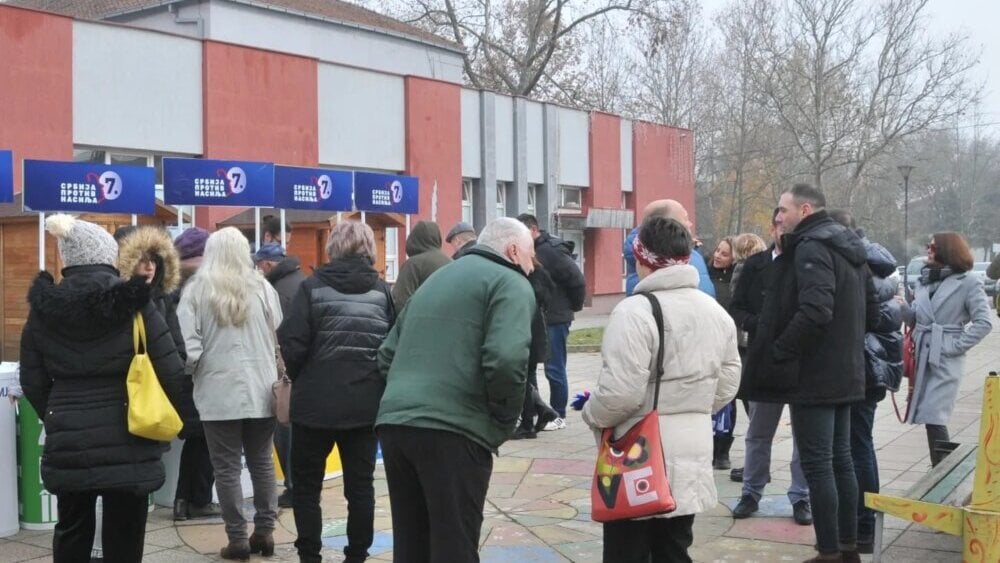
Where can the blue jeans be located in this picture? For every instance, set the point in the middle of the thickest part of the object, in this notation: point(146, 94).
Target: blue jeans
point(865, 464)
point(555, 368)
point(823, 434)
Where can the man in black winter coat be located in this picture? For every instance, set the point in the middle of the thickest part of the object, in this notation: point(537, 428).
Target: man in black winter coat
point(284, 273)
point(556, 256)
point(809, 352)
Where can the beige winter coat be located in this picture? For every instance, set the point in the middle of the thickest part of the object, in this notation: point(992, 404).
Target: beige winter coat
point(701, 375)
point(233, 367)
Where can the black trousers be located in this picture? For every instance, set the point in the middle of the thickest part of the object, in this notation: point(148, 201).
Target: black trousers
point(123, 527)
point(310, 448)
point(657, 540)
point(195, 476)
point(530, 388)
point(437, 487)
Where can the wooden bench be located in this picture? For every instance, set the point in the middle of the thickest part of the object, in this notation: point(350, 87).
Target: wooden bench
point(949, 483)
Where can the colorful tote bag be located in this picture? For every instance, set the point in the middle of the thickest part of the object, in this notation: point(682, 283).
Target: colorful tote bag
point(630, 478)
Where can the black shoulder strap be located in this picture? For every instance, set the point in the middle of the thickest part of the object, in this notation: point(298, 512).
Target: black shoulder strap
point(658, 316)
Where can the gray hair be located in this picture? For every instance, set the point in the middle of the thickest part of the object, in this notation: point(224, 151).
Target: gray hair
point(504, 231)
point(351, 238)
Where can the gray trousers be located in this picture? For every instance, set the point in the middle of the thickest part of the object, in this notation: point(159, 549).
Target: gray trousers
point(764, 419)
point(253, 438)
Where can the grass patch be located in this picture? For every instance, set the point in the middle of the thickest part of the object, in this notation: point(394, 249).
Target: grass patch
point(586, 337)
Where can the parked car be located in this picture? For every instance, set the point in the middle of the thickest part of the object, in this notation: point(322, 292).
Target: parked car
point(913, 272)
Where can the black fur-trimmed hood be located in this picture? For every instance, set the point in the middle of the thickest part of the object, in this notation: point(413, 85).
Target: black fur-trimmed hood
point(88, 298)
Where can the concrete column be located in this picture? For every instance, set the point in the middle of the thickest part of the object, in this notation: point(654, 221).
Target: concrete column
point(517, 199)
point(547, 202)
point(484, 199)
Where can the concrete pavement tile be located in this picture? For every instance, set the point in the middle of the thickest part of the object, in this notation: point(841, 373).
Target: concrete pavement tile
point(913, 555)
point(38, 540)
point(382, 543)
point(560, 481)
point(511, 464)
point(511, 534)
point(17, 551)
point(595, 529)
point(749, 551)
point(286, 520)
point(334, 527)
point(166, 537)
point(502, 491)
point(506, 479)
point(562, 467)
point(918, 538)
point(566, 512)
point(175, 556)
point(507, 504)
point(571, 494)
point(727, 488)
point(204, 538)
point(770, 505)
point(783, 530)
point(525, 553)
point(711, 525)
point(532, 521)
point(583, 552)
point(532, 491)
point(558, 535)
point(538, 504)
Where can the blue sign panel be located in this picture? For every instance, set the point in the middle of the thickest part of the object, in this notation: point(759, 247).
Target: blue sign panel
point(195, 181)
point(6, 176)
point(312, 188)
point(88, 187)
point(385, 193)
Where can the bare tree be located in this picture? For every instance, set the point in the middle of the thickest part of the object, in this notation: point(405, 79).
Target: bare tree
point(516, 46)
point(848, 81)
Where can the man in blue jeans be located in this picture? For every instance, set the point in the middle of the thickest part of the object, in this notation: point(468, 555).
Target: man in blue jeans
point(556, 256)
point(809, 353)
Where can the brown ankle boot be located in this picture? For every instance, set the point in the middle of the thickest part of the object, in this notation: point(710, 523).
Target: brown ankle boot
point(262, 543)
point(236, 551)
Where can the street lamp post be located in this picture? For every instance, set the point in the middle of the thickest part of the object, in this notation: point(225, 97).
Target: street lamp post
point(905, 170)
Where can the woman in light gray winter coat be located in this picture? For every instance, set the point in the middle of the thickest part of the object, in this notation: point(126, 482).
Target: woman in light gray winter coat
point(949, 315)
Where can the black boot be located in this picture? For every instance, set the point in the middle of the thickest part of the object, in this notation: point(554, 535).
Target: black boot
point(935, 434)
point(721, 449)
point(546, 414)
point(180, 510)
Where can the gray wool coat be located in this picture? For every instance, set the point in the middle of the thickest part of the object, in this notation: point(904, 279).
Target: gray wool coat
point(945, 327)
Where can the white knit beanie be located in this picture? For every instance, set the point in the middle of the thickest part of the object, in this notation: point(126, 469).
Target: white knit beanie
point(82, 243)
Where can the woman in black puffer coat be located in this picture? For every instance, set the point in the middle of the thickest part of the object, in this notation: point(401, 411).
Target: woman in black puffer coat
point(76, 348)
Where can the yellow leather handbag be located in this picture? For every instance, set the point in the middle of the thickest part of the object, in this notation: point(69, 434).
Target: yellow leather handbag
point(150, 413)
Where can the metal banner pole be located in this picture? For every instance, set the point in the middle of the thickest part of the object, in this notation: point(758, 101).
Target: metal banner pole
point(41, 241)
point(256, 227)
point(135, 220)
point(284, 243)
point(362, 216)
point(192, 216)
point(407, 225)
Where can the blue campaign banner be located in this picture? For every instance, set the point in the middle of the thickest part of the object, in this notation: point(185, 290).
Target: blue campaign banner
point(386, 193)
point(312, 188)
point(195, 181)
point(88, 187)
point(6, 176)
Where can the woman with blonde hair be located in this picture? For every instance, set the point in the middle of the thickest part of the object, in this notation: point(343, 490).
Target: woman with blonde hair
point(228, 313)
point(745, 245)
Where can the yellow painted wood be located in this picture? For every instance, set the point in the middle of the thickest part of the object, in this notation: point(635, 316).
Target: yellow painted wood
point(981, 541)
point(986, 487)
point(947, 519)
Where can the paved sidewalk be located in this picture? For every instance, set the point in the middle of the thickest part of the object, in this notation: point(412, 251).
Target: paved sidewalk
point(538, 509)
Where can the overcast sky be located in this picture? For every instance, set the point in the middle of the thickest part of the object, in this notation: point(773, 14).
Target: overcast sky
point(978, 19)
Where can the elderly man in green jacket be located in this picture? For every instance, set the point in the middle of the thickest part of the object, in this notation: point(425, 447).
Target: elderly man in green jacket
point(455, 365)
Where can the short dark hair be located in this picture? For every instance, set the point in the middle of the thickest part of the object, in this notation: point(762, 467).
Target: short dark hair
point(805, 193)
point(666, 237)
point(950, 249)
point(774, 217)
point(843, 217)
point(272, 225)
point(529, 220)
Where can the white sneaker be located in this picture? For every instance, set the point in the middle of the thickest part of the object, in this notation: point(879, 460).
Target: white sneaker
point(557, 424)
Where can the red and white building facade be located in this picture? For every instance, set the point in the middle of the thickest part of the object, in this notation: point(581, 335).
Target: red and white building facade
point(335, 87)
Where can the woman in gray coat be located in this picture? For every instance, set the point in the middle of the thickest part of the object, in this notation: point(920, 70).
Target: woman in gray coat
point(949, 315)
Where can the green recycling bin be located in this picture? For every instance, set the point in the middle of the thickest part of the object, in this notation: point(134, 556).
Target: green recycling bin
point(36, 507)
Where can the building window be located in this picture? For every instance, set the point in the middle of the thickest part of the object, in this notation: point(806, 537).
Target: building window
point(467, 191)
point(532, 194)
point(571, 198)
point(391, 253)
point(502, 188)
point(124, 158)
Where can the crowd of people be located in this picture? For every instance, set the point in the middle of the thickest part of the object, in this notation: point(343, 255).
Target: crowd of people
point(440, 370)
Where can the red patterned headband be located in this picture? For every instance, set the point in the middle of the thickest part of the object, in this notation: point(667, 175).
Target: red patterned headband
point(652, 260)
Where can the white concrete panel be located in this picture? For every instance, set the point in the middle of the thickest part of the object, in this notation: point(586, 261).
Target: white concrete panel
point(329, 42)
point(361, 119)
point(536, 143)
point(626, 140)
point(471, 137)
point(136, 89)
point(574, 147)
point(504, 111)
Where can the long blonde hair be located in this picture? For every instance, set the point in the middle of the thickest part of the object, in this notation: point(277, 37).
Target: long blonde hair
point(227, 279)
point(746, 245)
